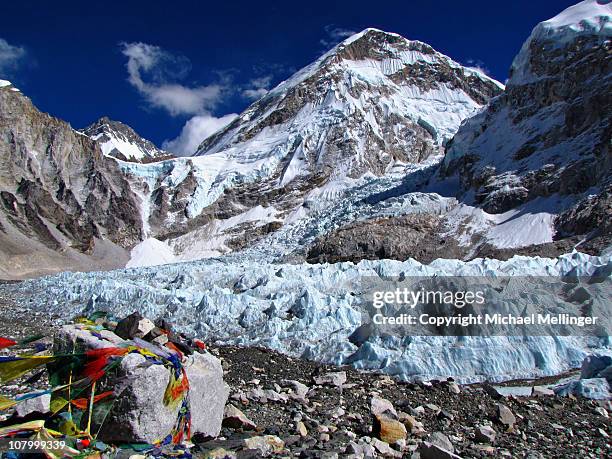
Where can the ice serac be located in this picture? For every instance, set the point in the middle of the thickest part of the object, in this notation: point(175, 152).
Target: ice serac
point(543, 146)
point(63, 204)
point(315, 311)
point(120, 141)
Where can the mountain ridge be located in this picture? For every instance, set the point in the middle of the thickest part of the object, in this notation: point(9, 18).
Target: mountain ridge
point(120, 141)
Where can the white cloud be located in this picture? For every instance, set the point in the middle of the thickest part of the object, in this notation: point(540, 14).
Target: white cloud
point(335, 35)
point(194, 132)
point(478, 65)
point(257, 88)
point(157, 66)
point(10, 57)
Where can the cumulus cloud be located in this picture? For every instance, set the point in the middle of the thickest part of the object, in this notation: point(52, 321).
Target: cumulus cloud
point(10, 57)
point(257, 88)
point(334, 35)
point(195, 131)
point(149, 70)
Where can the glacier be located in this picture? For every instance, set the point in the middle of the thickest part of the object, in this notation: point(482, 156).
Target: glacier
point(311, 311)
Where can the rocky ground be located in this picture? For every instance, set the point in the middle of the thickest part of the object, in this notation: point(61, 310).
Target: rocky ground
point(285, 407)
point(324, 411)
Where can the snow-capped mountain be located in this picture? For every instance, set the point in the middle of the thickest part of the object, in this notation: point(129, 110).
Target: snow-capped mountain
point(529, 174)
point(369, 107)
point(374, 100)
point(542, 148)
point(120, 141)
point(339, 162)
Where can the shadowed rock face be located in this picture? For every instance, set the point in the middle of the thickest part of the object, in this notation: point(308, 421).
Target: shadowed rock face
point(59, 196)
point(544, 135)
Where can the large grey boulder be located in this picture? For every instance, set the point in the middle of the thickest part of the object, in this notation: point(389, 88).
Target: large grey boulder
point(598, 365)
point(139, 413)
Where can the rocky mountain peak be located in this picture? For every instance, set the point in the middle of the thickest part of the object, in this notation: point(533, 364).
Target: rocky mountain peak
point(120, 141)
point(377, 44)
point(583, 26)
point(373, 100)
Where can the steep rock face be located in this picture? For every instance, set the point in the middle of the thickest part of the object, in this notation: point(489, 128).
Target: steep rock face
point(549, 132)
point(122, 142)
point(63, 205)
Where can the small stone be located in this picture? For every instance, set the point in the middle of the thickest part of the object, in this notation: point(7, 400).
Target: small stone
point(160, 340)
point(557, 426)
point(432, 407)
point(428, 450)
point(441, 440)
point(484, 448)
point(301, 429)
point(601, 411)
point(603, 433)
point(384, 448)
point(453, 388)
point(505, 416)
point(40, 404)
point(541, 391)
point(324, 437)
point(380, 406)
point(298, 388)
point(443, 414)
point(335, 378)
point(265, 444)
point(134, 326)
point(236, 419)
point(412, 424)
point(485, 434)
point(219, 453)
point(491, 391)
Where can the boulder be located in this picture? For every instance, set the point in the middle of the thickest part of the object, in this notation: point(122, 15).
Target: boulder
point(236, 419)
point(387, 429)
point(505, 416)
point(597, 366)
point(138, 413)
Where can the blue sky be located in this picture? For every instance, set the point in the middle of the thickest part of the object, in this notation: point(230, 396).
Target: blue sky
point(157, 65)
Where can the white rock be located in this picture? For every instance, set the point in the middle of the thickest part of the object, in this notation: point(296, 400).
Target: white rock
point(40, 404)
